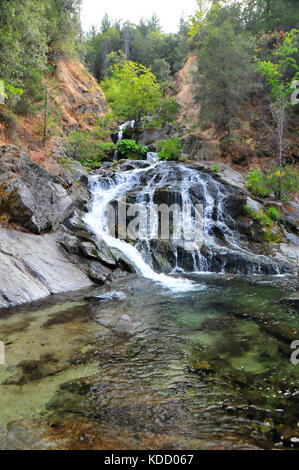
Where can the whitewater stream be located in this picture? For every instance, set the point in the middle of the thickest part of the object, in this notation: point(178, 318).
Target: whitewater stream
point(193, 351)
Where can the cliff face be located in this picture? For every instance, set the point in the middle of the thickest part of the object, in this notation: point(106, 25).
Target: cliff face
point(184, 93)
point(249, 144)
point(79, 102)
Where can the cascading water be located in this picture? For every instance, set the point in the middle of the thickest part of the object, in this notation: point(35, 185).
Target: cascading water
point(222, 248)
point(121, 129)
point(104, 194)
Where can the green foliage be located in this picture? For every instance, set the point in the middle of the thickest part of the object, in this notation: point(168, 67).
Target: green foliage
point(256, 183)
point(273, 213)
point(166, 114)
point(8, 88)
point(132, 92)
point(131, 150)
point(215, 168)
point(33, 33)
point(144, 43)
point(264, 219)
point(88, 147)
point(268, 221)
point(282, 182)
point(279, 73)
point(170, 149)
point(271, 15)
point(161, 69)
point(225, 74)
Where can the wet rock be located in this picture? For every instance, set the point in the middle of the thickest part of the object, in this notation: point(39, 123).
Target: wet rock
point(234, 205)
point(70, 244)
point(122, 261)
point(105, 255)
point(98, 273)
point(89, 250)
point(292, 301)
point(108, 296)
point(202, 368)
point(217, 323)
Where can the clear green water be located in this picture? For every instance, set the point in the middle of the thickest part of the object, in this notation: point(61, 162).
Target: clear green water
point(208, 369)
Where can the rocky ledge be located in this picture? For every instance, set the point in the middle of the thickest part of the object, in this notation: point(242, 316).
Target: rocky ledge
point(32, 267)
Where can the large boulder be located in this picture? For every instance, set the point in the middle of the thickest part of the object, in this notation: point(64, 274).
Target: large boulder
point(32, 197)
point(32, 267)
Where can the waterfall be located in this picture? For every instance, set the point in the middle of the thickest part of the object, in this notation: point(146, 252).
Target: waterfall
point(222, 248)
point(96, 219)
point(152, 157)
point(122, 127)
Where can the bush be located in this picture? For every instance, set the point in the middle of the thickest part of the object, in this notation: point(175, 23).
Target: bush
point(131, 150)
point(273, 213)
point(86, 147)
point(256, 183)
point(283, 182)
point(170, 149)
point(263, 219)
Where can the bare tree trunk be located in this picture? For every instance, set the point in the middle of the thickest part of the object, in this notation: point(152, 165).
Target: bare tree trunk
point(45, 116)
point(127, 43)
point(280, 128)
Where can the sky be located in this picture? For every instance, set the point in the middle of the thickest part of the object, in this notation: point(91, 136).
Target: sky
point(169, 11)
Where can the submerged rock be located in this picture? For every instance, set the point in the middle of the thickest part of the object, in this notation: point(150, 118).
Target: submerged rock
point(108, 296)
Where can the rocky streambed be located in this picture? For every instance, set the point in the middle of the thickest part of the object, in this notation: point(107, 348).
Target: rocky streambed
point(140, 368)
point(132, 345)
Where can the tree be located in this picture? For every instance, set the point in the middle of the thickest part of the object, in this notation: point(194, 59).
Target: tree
point(225, 65)
point(161, 69)
point(279, 79)
point(271, 15)
point(133, 92)
point(143, 43)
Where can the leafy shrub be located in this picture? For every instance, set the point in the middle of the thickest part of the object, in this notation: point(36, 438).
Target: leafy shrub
point(256, 183)
point(170, 149)
point(131, 150)
point(86, 147)
point(263, 218)
point(283, 182)
point(106, 146)
point(273, 213)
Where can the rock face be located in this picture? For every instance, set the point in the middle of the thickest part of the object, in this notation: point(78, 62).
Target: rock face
point(32, 267)
point(31, 197)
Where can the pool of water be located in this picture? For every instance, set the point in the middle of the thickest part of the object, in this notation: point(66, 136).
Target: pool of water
point(206, 369)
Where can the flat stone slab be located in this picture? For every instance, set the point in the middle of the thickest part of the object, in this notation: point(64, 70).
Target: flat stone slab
point(32, 267)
